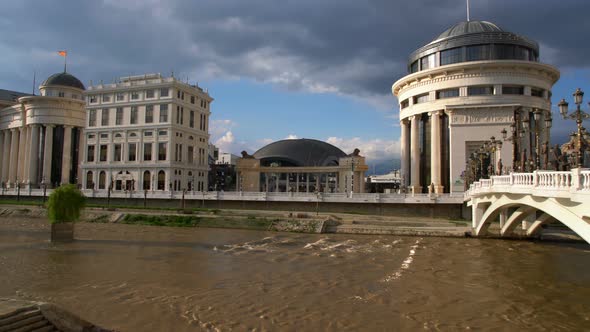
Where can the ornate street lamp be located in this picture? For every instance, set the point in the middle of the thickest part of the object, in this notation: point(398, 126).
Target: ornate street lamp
point(579, 116)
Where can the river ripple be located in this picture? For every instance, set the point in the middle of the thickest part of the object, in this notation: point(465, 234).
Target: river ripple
point(142, 278)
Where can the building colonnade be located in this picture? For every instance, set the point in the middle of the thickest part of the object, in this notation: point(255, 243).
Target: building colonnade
point(28, 155)
point(412, 147)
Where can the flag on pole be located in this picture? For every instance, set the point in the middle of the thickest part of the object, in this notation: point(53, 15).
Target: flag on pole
point(62, 53)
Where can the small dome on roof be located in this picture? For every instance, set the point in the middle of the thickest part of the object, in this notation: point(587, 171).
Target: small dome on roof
point(464, 28)
point(64, 79)
point(300, 152)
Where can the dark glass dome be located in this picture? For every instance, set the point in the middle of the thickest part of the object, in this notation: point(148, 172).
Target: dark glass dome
point(299, 152)
point(64, 79)
point(473, 41)
point(463, 28)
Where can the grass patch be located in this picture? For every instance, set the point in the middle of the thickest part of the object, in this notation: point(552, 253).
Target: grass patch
point(103, 218)
point(159, 220)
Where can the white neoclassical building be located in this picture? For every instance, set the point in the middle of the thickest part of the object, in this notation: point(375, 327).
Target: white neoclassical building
point(146, 132)
point(463, 88)
point(40, 135)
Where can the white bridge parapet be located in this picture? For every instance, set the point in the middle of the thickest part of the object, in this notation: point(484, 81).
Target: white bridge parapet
point(533, 199)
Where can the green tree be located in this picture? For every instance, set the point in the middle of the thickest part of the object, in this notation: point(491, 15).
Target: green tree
point(65, 204)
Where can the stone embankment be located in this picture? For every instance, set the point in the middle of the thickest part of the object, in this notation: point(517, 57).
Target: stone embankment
point(25, 316)
point(282, 221)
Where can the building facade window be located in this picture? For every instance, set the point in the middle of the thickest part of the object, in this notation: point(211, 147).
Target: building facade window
point(148, 134)
point(92, 99)
point(90, 154)
point(164, 113)
point(103, 152)
point(161, 180)
point(119, 116)
point(190, 154)
point(102, 180)
point(133, 115)
point(132, 152)
point(191, 120)
point(149, 114)
point(512, 90)
point(150, 93)
point(414, 67)
point(104, 120)
point(192, 99)
point(117, 152)
point(106, 98)
point(537, 92)
point(146, 180)
point(454, 55)
point(164, 92)
point(480, 90)
point(92, 118)
point(89, 182)
point(147, 151)
point(134, 95)
point(426, 62)
point(163, 133)
point(478, 52)
point(405, 103)
point(421, 98)
point(447, 93)
point(162, 150)
point(120, 96)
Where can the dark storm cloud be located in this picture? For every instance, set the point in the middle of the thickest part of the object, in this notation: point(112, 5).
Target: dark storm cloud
point(356, 48)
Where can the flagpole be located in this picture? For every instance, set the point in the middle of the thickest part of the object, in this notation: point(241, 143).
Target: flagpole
point(65, 62)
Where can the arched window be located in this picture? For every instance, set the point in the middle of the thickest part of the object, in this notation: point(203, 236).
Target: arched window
point(102, 179)
point(161, 180)
point(146, 180)
point(89, 180)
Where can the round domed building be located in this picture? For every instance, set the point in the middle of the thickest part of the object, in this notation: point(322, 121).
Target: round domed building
point(41, 134)
point(301, 165)
point(467, 85)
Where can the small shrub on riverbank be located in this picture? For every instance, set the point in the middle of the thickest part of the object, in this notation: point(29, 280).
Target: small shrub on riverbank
point(65, 204)
point(156, 220)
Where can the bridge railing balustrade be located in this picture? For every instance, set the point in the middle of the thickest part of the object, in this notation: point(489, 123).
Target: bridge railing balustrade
point(585, 180)
point(554, 180)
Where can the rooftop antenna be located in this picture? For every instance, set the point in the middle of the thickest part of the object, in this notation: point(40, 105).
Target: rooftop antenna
point(34, 79)
point(467, 10)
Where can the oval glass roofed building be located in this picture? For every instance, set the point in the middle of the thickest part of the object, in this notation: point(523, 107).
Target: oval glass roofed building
point(464, 87)
point(301, 165)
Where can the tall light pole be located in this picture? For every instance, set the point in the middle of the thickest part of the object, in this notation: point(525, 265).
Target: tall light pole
point(579, 116)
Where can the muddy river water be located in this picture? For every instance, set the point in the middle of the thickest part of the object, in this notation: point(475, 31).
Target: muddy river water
point(145, 278)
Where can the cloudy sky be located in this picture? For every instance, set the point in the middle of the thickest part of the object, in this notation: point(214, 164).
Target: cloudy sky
point(278, 69)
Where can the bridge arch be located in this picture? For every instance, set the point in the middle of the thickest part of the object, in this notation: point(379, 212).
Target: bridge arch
point(568, 213)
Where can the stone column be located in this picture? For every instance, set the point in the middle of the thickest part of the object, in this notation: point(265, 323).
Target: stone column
point(6, 155)
point(306, 182)
point(297, 183)
point(12, 173)
point(34, 155)
point(288, 184)
point(3, 153)
point(22, 146)
point(415, 152)
point(48, 155)
point(28, 143)
point(265, 182)
point(327, 184)
point(66, 163)
point(404, 152)
point(435, 160)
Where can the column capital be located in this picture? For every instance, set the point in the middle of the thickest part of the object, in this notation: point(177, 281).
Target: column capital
point(412, 117)
point(437, 112)
point(404, 121)
point(68, 126)
point(50, 125)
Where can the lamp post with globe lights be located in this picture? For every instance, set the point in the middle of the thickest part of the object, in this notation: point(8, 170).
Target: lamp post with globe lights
point(579, 116)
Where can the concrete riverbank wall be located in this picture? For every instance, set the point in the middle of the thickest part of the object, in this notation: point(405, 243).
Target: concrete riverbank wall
point(443, 211)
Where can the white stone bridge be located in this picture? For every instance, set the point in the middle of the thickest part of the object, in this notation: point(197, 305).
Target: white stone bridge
point(531, 200)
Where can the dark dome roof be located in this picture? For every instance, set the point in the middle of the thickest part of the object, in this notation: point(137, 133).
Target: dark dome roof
point(463, 28)
point(64, 79)
point(301, 152)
